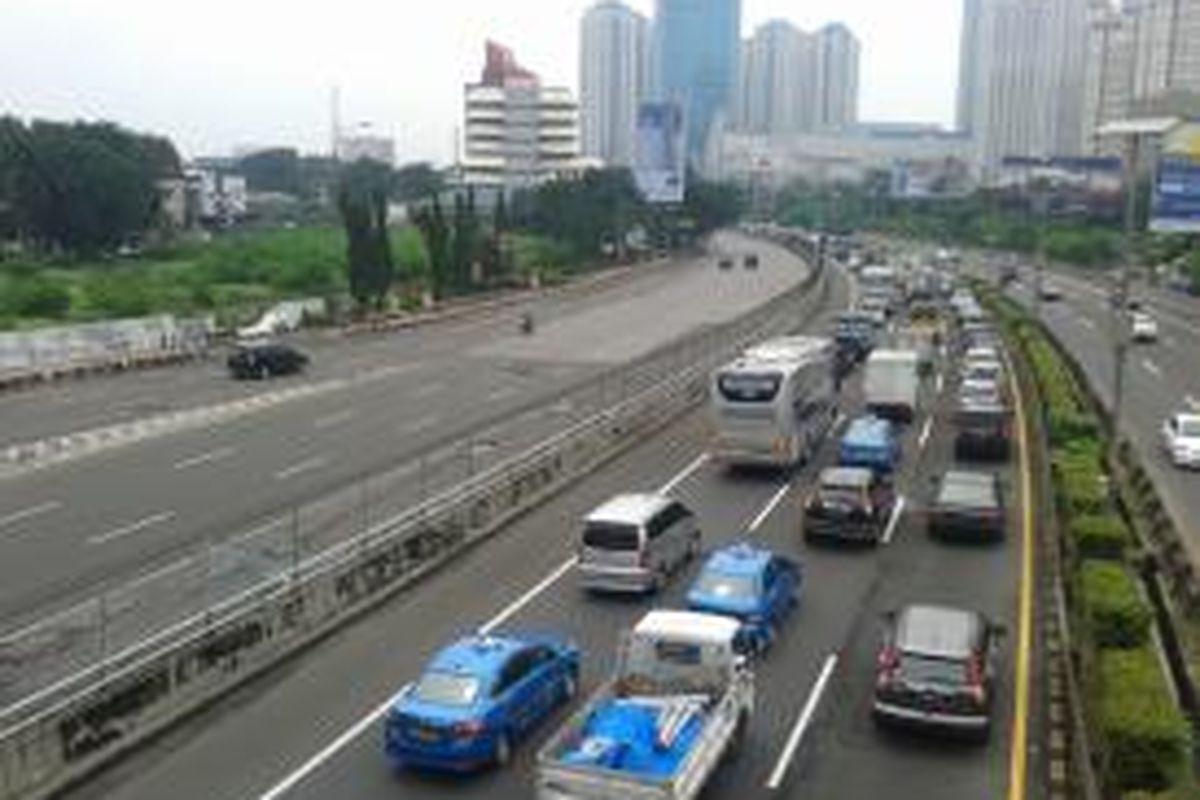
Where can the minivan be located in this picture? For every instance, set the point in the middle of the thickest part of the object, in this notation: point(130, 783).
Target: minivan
point(634, 542)
point(935, 669)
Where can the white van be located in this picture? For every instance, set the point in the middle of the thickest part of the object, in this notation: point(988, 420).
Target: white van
point(634, 542)
point(892, 384)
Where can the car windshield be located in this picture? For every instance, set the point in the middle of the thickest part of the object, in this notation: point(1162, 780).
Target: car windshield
point(967, 489)
point(926, 669)
point(610, 536)
point(447, 689)
point(731, 587)
point(841, 493)
point(1189, 428)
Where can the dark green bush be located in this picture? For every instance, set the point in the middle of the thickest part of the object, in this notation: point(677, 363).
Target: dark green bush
point(1068, 426)
point(1145, 740)
point(1099, 537)
point(34, 296)
point(1080, 483)
point(1116, 613)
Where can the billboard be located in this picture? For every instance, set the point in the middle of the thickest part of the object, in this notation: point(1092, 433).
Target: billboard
point(660, 152)
point(1175, 207)
point(930, 179)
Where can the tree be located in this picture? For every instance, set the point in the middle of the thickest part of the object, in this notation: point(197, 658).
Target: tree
point(416, 181)
point(431, 221)
point(274, 170)
point(363, 205)
point(712, 205)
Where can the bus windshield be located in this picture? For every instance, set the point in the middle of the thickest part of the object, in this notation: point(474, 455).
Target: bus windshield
point(745, 387)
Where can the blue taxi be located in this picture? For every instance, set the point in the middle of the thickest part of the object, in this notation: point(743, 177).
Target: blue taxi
point(751, 584)
point(476, 698)
point(870, 443)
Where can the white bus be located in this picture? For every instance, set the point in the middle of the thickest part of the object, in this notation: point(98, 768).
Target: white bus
point(775, 404)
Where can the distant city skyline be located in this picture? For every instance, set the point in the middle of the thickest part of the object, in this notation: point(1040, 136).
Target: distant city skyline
point(230, 77)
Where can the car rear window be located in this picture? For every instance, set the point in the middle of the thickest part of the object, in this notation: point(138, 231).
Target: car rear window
point(967, 491)
point(925, 669)
point(746, 387)
point(611, 536)
point(447, 689)
point(735, 587)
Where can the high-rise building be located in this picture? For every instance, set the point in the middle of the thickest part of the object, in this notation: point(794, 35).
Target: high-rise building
point(777, 81)
point(696, 60)
point(614, 78)
point(1023, 74)
point(837, 57)
point(1109, 73)
point(517, 131)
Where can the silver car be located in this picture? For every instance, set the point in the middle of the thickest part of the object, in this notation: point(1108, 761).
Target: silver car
point(634, 542)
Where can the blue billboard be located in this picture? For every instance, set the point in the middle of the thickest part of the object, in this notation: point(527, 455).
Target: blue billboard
point(660, 153)
point(1175, 207)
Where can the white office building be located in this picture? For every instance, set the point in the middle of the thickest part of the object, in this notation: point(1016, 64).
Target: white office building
point(777, 82)
point(1022, 73)
point(517, 132)
point(614, 78)
point(837, 61)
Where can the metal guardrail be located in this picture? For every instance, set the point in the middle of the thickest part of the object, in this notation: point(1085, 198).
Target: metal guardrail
point(115, 700)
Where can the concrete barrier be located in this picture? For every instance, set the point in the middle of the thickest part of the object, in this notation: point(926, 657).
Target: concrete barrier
point(115, 705)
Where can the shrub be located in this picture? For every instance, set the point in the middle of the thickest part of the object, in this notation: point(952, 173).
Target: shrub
point(1117, 616)
point(1099, 537)
point(1068, 426)
point(1145, 739)
point(1081, 489)
point(35, 296)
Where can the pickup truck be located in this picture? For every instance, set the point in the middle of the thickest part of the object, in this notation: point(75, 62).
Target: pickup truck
point(679, 701)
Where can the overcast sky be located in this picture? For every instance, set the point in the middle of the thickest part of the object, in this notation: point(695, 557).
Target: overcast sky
point(222, 73)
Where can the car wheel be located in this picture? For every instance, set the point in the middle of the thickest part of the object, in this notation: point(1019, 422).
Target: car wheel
point(503, 753)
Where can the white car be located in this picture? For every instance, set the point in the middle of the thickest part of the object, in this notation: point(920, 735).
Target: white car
point(1181, 438)
point(1142, 327)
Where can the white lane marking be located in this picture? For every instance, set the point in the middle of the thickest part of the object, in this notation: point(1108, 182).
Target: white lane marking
point(769, 507)
point(502, 393)
point(429, 389)
point(802, 722)
point(1087, 323)
point(671, 485)
point(940, 383)
point(926, 432)
point(133, 527)
point(416, 426)
point(897, 512)
point(1152, 368)
point(359, 728)
point(515, 607)
point(307, 465)
point(352, 733)
point(32, 511)
point(205, 458)
point(330, 420)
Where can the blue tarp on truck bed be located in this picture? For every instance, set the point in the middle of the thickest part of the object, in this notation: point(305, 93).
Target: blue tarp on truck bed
point(623, 735)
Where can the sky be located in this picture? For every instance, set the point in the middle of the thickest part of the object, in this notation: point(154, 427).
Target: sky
point(224, 74)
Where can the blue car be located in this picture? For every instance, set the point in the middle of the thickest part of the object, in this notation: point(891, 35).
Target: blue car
point(476, 698)
point(751, 584)
point(870, 443)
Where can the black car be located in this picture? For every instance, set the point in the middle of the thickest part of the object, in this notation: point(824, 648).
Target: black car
point(967, 505)
point(935, 669)
point(850, 504)
point(262, 360)
point(982, 432)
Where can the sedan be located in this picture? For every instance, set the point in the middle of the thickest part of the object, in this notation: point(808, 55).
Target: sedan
point(1143, 328)
point(751, 584)
point(1181, 439)
point(968, 505)
point(851, 504)
point(476, 698)
point(265, 359)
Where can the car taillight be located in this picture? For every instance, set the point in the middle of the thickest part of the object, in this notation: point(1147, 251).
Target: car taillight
point(975, 679)
point(468, 729)
point(886, 664)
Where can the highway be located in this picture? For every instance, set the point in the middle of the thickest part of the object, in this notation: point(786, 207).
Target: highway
point(70, 529)
point(1160, 378)
point(311, 729)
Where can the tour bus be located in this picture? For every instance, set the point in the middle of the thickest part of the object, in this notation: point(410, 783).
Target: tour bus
point(774, 405)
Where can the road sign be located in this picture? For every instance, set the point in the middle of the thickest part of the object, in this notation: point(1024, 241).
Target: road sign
point(1175, 206)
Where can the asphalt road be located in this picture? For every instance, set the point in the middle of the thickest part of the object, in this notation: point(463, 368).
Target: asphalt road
point(70, 529)
point(1160, 378)
point(308, 730)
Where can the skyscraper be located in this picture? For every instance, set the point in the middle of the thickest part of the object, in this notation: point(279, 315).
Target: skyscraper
point(777, 84)
point(696, 60)
point(1022, 78)
point(837, 57)
point(614, 73)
